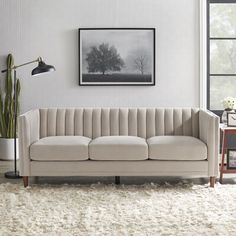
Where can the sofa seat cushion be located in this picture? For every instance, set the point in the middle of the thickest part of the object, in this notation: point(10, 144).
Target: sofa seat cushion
point(118, 148)
point(60, 148)
point(184, 148)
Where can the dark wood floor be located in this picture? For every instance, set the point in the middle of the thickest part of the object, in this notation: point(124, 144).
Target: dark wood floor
point(8, 166)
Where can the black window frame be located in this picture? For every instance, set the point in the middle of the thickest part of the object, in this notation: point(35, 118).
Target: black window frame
point(217, 112)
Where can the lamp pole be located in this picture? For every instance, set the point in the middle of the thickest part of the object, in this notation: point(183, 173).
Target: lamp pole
point(15, 124)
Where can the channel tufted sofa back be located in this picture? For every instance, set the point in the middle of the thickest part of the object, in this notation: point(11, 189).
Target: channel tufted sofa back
point(141, 122)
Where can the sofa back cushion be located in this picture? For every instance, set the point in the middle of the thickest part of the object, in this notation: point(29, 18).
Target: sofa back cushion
point(141, 122)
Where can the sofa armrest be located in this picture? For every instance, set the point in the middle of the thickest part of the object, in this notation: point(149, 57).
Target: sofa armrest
point(209, 134)
point(28, 134)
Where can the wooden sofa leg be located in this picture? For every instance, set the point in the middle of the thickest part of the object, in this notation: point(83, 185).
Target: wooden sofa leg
point(117, 179)
point(26, 181)
point(212, 181)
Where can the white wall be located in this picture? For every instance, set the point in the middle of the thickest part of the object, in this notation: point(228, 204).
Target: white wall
point(49, 28)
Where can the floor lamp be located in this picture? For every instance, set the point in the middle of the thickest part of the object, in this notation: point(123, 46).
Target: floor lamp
point(41, 68)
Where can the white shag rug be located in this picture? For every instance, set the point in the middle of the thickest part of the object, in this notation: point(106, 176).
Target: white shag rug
point(98, 209)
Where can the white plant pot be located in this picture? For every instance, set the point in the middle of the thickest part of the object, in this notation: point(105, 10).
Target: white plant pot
point(7, 149)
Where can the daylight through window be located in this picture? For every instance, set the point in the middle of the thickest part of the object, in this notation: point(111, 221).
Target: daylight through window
point(221, 53)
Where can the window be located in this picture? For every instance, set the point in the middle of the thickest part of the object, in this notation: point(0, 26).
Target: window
point(221, 56)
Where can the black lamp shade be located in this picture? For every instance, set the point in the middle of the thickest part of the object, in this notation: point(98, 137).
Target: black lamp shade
point(42, 68)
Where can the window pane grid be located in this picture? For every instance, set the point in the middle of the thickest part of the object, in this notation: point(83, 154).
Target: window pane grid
point(223, 75)
point(216, 38)
point(221, 72)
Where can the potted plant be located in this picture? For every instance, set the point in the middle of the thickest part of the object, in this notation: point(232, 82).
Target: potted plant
point(7, 113)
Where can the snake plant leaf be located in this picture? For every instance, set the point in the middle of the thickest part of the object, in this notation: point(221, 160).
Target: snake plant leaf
point(2, 120)
point(7, 102)
point(18, 88)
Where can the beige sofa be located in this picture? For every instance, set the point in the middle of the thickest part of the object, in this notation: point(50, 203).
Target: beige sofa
point(119, 142)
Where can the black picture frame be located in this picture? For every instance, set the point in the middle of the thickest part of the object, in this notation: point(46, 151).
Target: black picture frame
point(144, 80)
point(229, 159)
point(228, 114)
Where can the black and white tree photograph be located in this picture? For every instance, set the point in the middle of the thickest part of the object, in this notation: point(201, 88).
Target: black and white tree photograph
point(116, 56)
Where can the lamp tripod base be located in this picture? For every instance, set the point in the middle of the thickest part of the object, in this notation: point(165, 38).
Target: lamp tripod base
point(12, 175)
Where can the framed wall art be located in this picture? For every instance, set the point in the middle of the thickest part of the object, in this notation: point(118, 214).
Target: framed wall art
point(231, 119)
point(117, 56)
point(231, 159)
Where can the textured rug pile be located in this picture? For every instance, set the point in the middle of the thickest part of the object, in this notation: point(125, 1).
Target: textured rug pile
point(98, 209)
